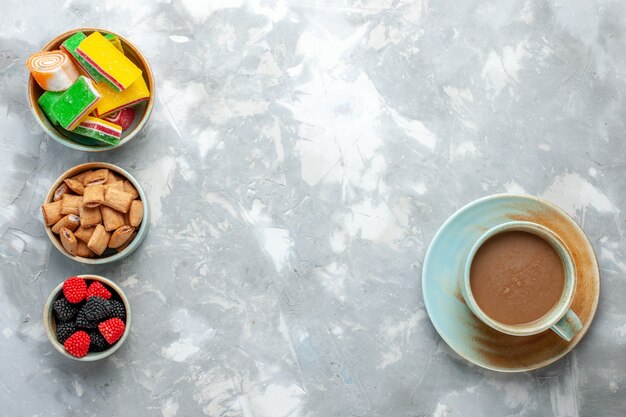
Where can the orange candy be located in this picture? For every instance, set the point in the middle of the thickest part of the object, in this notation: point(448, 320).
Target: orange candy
point(53, 70)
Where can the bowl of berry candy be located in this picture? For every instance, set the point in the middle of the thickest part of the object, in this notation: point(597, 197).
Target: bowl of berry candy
point(87, 317)
point(90, 89)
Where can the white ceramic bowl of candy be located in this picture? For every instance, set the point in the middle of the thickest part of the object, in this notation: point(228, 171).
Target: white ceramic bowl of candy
point(90, 89)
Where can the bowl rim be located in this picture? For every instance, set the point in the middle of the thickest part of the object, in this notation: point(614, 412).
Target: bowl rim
point(143, 228)
point(48, 316)
point(54, 134)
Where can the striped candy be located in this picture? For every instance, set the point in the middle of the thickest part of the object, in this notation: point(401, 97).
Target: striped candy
point(113, 100)
point(115, 41)
point(102, 130)
point(102, 56)
point(76, 103)
point(124, 118)
point(70, 46)
point(46, 101)
point(53, 70)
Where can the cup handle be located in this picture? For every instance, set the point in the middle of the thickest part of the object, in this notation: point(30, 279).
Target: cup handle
point(568, 326)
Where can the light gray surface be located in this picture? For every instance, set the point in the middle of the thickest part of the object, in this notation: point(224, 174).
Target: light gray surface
point(300, 157)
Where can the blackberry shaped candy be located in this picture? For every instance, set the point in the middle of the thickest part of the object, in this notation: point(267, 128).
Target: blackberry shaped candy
point(82, 322)
point(64, 331)
point(64, 310)
point(98, 342)
point(117, 310)
point(96, 309)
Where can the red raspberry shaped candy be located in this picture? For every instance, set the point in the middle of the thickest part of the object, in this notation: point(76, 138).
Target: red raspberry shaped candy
point(96, 289)
point(112, 329)
point(75, 289)
point(78, 344)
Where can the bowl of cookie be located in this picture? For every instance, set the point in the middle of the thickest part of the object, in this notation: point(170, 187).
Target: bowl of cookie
point(96, 213)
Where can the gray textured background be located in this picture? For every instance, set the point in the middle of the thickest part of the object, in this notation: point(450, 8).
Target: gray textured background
point(300, 157)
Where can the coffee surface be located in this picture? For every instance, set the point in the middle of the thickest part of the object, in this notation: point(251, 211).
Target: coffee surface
point(516, 277)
